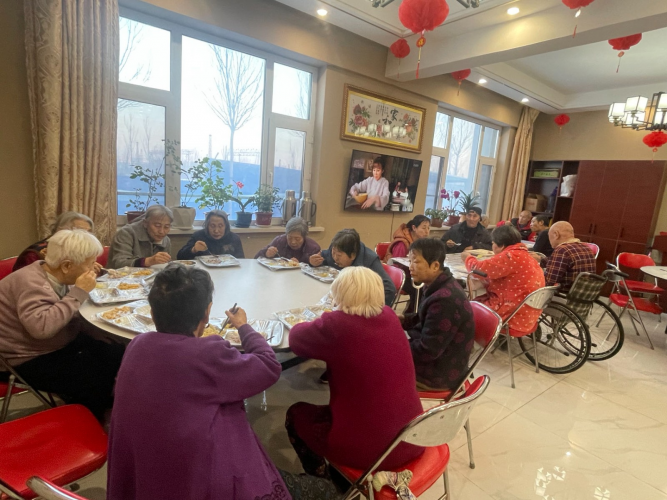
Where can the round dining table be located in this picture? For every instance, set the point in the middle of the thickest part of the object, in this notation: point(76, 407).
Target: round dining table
point(659, 272)
point(253, 287)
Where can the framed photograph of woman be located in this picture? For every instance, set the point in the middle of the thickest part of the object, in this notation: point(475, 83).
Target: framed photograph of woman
point(376, 119)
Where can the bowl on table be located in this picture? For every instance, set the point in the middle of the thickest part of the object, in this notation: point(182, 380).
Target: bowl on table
point(361, 198)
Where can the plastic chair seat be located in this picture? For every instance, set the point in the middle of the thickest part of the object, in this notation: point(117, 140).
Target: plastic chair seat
point(62, 444)
point(642, 287)
point(426, 470)
point(640, 303)
point(517, 333)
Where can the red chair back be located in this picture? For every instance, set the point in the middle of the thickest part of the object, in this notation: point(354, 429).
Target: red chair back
point(396, 275)
point(487, 324)
point(6, 266)
point(381, 249)
point(634, 260)
point(102, 259)
point(594, 248)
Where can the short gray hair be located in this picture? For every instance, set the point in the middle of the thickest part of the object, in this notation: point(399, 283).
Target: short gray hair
point(358, 291)
point(66, 221)
point(158, 211)
point(297, 224)
point(75, 245)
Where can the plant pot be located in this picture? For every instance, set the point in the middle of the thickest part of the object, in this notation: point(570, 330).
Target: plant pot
point(436, 222)
point(243, 219)
point(133, 214)
point(452, 220)
point(263, 219)
point(184, 217)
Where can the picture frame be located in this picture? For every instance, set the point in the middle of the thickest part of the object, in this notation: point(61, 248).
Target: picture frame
point(381, 120)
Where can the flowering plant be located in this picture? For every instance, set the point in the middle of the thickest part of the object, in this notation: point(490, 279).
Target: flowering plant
point(237, 196)
point(453, 199)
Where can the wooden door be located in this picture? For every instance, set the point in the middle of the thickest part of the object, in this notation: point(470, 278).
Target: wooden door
point(607, 253)
point(589, 181)
point(645, 181)
point(614, 190)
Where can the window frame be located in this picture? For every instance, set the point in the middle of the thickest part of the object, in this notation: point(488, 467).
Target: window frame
point(171, 101)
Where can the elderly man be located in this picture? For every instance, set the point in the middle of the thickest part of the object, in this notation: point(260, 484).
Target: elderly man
point(569, 258)
point(468, 235)
point(522, 223)
point(540, 226)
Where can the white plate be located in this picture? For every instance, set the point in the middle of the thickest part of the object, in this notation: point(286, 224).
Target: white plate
point(131, 319)
point(219, 260)
point(187, 263)
point(108, 292)
point(128, 273)
point(278, 264)
point(325, 274)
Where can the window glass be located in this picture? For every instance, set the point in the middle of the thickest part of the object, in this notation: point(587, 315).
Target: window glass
point(140, 142)
point(484, 186)
point(288, 163)
point(143, 55)
point(291, 91)
point(222, 99)
point(437, 163)
point(463, 151)
point(490, 143)
point(441, 125)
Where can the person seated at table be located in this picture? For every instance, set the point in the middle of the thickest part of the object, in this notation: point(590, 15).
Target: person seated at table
point(569, 258)
point(178, 427)
point(521, 223)
point(371, 380)
point(512, 274)
point(42, 334)
point(417, 228)
point(540, 226)
point(442, 333)
point(376, 187)
point(143, 243)
point(468, 235)
point(216, 238)
point(346, 249)
point(37, 251)
point(294, 244)
point(485, 221)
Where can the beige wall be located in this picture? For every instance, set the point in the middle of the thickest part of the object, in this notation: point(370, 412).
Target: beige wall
point(17, 201)
point(590, 136)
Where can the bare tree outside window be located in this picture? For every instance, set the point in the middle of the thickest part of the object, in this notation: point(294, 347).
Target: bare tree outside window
point(460, 147)
point(131, 35)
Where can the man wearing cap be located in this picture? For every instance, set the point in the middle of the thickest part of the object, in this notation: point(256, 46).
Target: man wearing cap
point(468, 235)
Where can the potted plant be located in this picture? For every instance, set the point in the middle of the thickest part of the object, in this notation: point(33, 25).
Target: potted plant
point(453, 199)
point(243, 218)
point(266, 199)
point(214, 192)
point(467, 201)
point(437, 216)
point(184, 215)
point(154, 180)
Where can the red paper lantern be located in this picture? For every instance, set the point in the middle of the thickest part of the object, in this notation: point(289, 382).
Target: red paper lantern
point(400, 49)
point(420, 16)
point(655, 140)
point(577, 4)
point(624, 43)
point(561, 120)
point(460, 76)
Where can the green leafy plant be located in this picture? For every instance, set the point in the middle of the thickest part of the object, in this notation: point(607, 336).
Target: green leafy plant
point(468, 201)
point(214, 192)
point(194, 175)
point(434, 213)
point(237, 198)
point(154, 180)
point(266, 198)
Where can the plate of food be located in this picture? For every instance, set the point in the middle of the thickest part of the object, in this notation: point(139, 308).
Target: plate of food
point(271, 330)
point(323, 273)
point(112, 291)
point(128, 318)
point(128, 272)
point(219, 260)
point(481, 253)
point(293, 317)
point(279, 264)
point(187, 263)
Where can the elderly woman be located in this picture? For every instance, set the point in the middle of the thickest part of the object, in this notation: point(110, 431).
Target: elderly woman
point(294, 244)
point(406, 234)
point(371, 378)
point(143, 243)
point(512, 274)
point(42, 334)
point(215, 239)
point(182, 432)
point(66, 220)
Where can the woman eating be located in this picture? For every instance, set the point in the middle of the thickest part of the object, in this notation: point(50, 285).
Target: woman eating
point(178, 427)
point(37, 251)
point(512, 274)
point(406, 234)
point(216, 238)
point(294, 244)
point(371, 378)
point(143, 243)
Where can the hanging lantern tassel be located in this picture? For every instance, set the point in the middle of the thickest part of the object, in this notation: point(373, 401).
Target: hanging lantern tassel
point(420, 43)
point(577, 4)
point(620, 54)
point(655, 140)
point(400, 49)
point(624, 43)
point(460, 76)
point(420, 16)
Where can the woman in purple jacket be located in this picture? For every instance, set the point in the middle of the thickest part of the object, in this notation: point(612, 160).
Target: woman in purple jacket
point(294, 244)
point(178, 427)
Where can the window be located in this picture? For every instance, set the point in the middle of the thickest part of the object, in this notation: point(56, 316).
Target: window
point(464, 159)
point(247, 109)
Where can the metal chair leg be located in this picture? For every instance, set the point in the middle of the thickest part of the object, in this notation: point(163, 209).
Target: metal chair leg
point(469, 438)
point(537, 366)
point(641, 322)
point(446, 495)
point(8, 397)
point(509, 352)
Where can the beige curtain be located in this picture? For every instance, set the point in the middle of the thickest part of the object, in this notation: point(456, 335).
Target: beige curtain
point(516, 178)
point(72, 61)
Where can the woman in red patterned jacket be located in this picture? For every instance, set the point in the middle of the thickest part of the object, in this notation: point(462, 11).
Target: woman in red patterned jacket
point(512, 274)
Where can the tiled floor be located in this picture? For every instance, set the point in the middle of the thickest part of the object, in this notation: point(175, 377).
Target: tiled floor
point(597, 434)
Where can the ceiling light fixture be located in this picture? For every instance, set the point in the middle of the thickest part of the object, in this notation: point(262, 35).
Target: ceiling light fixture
point(525, 99)
point(482, 81)
point(638, 113)
point(322, 12)
point(513, 11)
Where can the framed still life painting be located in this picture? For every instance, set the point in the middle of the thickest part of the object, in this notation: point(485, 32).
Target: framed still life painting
point(381, 120)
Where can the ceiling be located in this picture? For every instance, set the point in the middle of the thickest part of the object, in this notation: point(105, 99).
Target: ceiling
point(532, 54)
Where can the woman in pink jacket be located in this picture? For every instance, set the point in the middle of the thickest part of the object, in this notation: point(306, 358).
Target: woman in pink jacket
point(512, 274)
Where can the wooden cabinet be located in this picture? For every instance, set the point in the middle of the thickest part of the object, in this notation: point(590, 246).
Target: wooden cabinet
point(584, 205)
point(611, 201)
point(644, 196)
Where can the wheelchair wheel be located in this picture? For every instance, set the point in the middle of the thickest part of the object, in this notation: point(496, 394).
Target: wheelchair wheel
point(563, 342)
point(606, 331)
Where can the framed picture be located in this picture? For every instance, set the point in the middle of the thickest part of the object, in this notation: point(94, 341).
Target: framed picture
point(376, 119)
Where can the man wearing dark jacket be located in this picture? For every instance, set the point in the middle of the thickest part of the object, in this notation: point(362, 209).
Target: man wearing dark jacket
point(346, 249)
point(468, 235)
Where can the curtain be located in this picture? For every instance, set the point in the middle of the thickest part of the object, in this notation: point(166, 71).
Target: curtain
point(516, 177)
point(72, 62)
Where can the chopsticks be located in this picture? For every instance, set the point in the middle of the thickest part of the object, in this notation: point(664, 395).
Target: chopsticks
point(232, 310)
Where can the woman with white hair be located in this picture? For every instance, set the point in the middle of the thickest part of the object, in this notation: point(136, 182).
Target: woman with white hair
point(371, 377)
point(294, 244)
point(66, 220)
point(42, 334)
point(143, 243)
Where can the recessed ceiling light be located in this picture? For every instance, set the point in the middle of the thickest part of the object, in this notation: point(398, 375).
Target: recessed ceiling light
point(482, 81)
point(525, 99)
point(322, 12)
point(513, 11)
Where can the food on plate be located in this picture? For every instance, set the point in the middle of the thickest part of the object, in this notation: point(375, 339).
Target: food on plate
point(128, 286)
point(101, 285)
point(293, 320)
point(232, 336)
point(144, 310)
point(116, 312)
point(290, 263)
point(143, 272)
point(211, 330)
point(323, 274)
point(186, 262)
point(113, 273)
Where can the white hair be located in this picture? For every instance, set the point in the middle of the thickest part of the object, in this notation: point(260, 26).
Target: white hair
point(359, 291)
point(74, 245)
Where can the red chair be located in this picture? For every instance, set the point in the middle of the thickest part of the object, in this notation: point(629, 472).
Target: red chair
point(594, 248)
point(433, 429)
point(397, 277)
point(6, 266)
point(49, 491)
point(637, 261)
point(7, 390)
point(16, 384)
point(62, 444)
point(103, 259)
point(381, 249)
